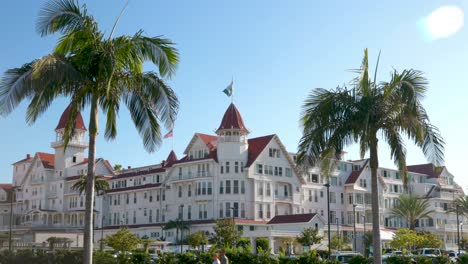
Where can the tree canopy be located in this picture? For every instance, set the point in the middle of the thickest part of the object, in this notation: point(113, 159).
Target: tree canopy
point(226, 233)
point(411, 208)
point(123, 240)
point(309, 236)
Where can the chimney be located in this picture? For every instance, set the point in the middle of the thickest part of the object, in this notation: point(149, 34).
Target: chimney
point(28, 156)
point(129, 167)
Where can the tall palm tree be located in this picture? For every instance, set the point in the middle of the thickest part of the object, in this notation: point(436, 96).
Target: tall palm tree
point(365, 113)
point(411, 208)
point(460, 204)
point(177, 224)
point(101, 185)
point(99, 71)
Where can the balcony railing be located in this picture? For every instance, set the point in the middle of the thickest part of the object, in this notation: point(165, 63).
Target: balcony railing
point(222, 139)
point(196, 175)
point(283, 197)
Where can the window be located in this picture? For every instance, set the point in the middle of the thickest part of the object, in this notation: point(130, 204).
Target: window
point(189, 212)
point(260, 211)
point(180, 191)
point(189, 192)
point(280, 171)
point(242, 166)
point(288, 172)
point(151, 197)
point(210, 188)
point(315, 178)
point(332, 197)
point(397, 175)
point(268, 189)
point(134, 198)
point(363, 183)
point(236, 167)
point(235, 189)
point(204, 188)
point(334, 181)
point(242, 187)
point(163, 195)
point(227, 166)
point(221, 210)
point(310, 195)
point(268, 214)
point(221, 188)
point(221, 169)
point(260, 189)
point(228, 209)
point(276, 171)
point(228, 187)
point(235, 210)
point(74, 159)
point(385, 174)
point(259, 168)
point(242, 210)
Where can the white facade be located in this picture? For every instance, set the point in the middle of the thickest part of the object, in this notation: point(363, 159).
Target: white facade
point(227, 175)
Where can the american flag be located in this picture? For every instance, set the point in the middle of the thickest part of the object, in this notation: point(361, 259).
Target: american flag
point(169, 134)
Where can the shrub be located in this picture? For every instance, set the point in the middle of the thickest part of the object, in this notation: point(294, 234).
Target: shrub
point(360, 260)
point(263, 243)
point(103, 257)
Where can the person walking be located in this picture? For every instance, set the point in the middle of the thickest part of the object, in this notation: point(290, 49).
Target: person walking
point(223, 259)
point(215, 259)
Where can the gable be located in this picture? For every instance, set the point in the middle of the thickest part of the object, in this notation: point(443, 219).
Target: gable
point(200, 146)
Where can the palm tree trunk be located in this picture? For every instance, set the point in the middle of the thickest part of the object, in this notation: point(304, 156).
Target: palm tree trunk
point(374, 164)
point(88, 230)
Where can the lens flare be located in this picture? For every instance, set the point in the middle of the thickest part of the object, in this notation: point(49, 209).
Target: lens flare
point(442, 23)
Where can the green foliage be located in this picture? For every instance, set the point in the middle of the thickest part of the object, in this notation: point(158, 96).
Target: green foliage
point(243, 242)
point(263, 244)
point(102, 257)
point(463, 259)
point(101, 185)
point(411, 208)
point(406, 239)
point(196, 239)
point(360, 260)
point(141, 258)
point(338, 242)
point(309, 236)
point(123, 240)
point(226, 233)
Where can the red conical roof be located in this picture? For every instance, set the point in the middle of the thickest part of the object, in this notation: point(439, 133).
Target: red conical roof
point(232, 119)
point(79, 124)
point(171, 158)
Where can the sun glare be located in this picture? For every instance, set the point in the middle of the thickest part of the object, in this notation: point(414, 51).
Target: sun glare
point(442, 23)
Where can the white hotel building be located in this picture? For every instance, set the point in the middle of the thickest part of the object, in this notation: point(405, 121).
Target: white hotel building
point(227, 175)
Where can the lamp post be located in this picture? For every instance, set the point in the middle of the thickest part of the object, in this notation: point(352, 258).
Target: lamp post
point(462, 239)
point(13, 195)
point(327, 185)
point(364, 235)
point(102, 233)
point(181, 226)
point(338, 232)
point(458, 231)
point(354, 227)
point(233, 223)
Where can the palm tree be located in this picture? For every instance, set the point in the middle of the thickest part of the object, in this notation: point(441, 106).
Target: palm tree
point(177, 224)
point(460, 204)
point(334, 119)
point(411, 208)
point(101, 185)
point(99, 71)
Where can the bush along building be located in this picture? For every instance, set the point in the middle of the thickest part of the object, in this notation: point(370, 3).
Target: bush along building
point(253, 181)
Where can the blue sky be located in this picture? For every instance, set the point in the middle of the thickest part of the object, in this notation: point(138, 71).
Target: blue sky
point(276, 51)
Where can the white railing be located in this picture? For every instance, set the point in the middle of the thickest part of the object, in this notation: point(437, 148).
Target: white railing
point(222, 139)
point(195, 175)
point(283, 197)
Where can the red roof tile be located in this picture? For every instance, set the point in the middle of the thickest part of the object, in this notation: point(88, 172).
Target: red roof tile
point(256, 146)
point(232, 119)
point(209, 140)
point(144, 186)
point(290, 219)
point(354, 176)
point(47, 159)
point(6, 186)
point(171, 159)
point(28, 158)
point(138, 173)
point(79, 124)
point(428, 169)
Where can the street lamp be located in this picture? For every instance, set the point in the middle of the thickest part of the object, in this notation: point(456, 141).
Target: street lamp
point(338, 232)
point(233, 223)
point(458, 231)
point(13, 195)
point(364, 235)
point(461, 231)
point(181, 226)
point(327, 185)
point(354, 227)
point(102, 232)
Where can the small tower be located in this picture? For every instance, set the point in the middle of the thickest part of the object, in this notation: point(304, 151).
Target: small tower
point(75, 151)
point(232, 137)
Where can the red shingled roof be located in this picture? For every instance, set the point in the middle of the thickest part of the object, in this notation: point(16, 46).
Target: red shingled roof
point(256, 146)
point(138, 173)
point(209, 140)
point(131, 188)
point(47, 159)
point(5, 186)
point(232, 119)
point(28, 158)
point(428, 169)
point(290, 219)
point(171, 158)
point(354, 176)
point(79, 124)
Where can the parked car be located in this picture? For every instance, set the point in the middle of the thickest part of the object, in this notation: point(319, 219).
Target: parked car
point(344, 257)
point(429, 252)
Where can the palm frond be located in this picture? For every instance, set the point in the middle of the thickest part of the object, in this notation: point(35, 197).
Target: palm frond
point(15, 86)
point(62, 16)
point(397, 151)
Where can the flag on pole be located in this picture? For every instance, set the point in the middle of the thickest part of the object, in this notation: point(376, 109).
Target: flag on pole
point(169, 134)
point(229, 89)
